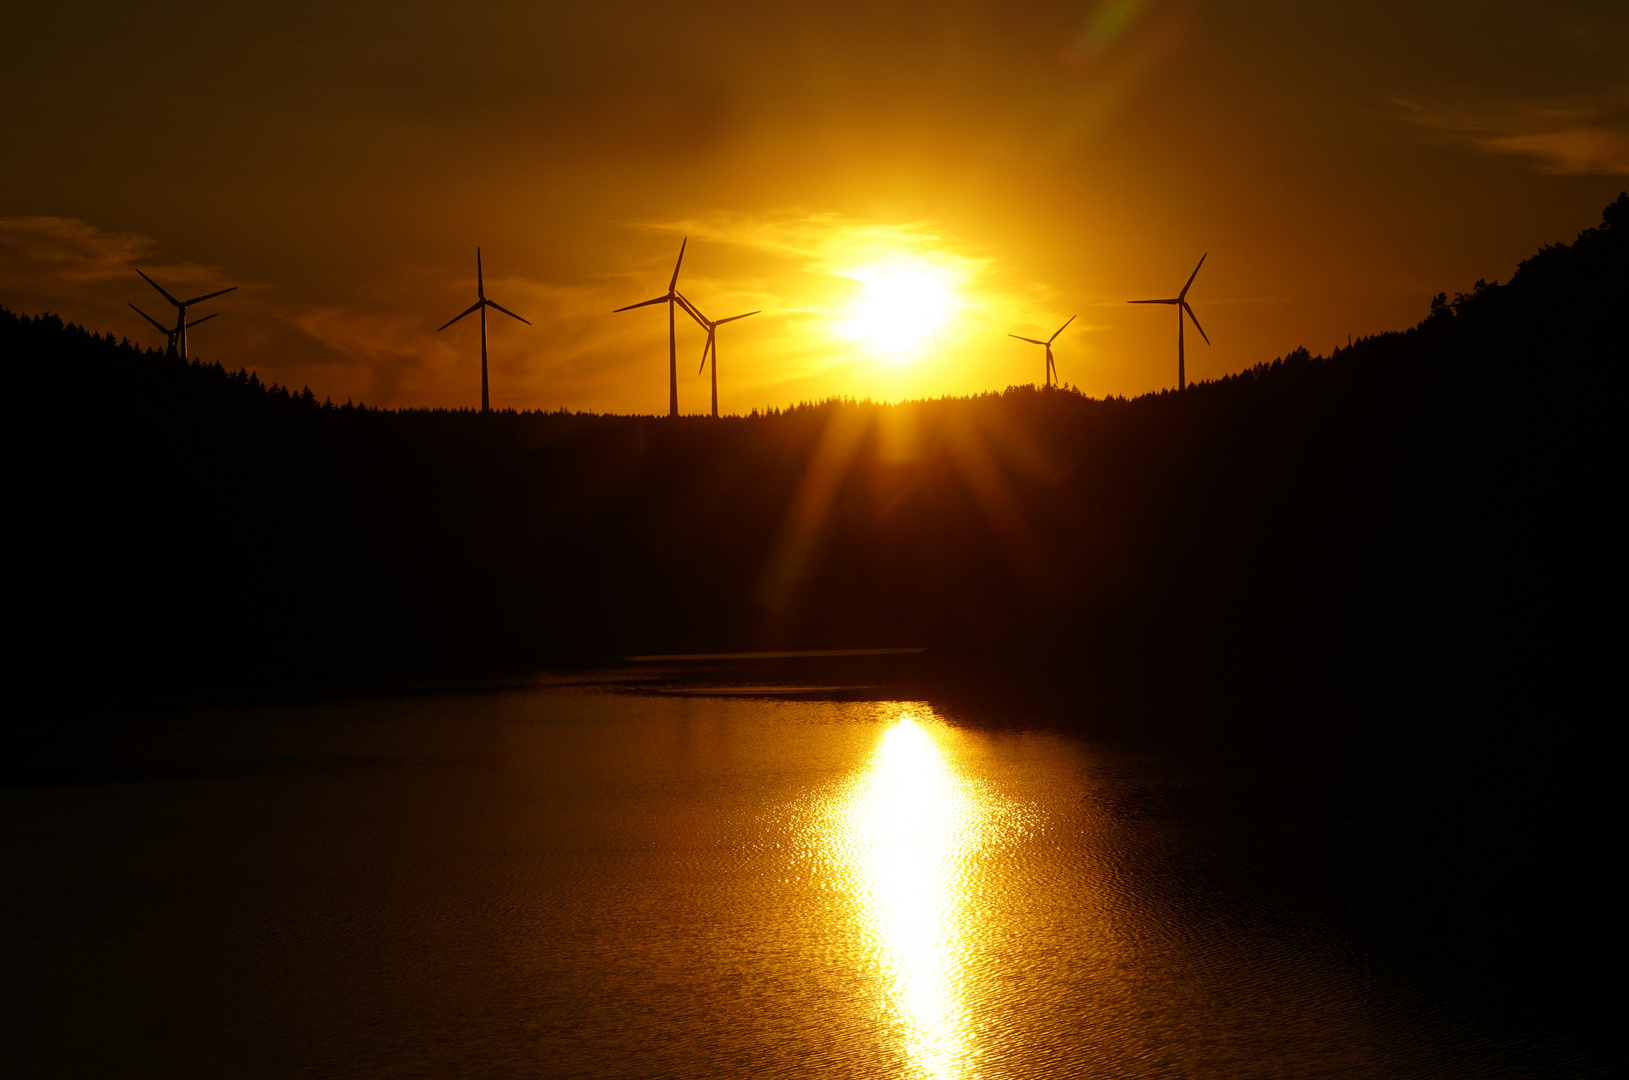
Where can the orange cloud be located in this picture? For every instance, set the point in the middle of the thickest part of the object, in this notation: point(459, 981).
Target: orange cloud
point(1562, 140)
point(1575, 152)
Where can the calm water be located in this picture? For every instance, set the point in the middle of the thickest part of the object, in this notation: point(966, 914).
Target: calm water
point(564, 882)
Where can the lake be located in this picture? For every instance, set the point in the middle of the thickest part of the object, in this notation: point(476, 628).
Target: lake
point(581, 881)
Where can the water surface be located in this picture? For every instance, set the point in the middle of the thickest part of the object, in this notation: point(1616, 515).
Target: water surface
point(570, 882)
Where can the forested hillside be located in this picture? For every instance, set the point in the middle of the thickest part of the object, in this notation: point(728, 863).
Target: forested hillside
point(1416, 515)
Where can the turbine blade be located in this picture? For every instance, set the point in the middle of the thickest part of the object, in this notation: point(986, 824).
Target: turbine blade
point(195, 322)
point(630, 307)
point(694, 312)
point(473, 307)
point(1195, 319)
point(506, 311)
point(1061, 329)
point(480, 282)
point(161, 327)
point(1171, 301)
point(674, 284)
point(1031, 340)
point(732, 318)
point(704, 349)
point(160, 288)
point(206, 296)
point(1184, 293)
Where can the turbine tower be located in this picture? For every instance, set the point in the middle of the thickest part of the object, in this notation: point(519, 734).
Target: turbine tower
point(168, 332)
point(178, 336)
point(1181, 302)
point(711, 327)
point(1051, 368)
point(481, 304)
point(670, 298)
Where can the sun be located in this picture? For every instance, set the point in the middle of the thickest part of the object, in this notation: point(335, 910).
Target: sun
point(902, 304)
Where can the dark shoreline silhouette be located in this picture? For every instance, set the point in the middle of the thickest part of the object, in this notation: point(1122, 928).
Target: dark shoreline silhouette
point(1421, 514)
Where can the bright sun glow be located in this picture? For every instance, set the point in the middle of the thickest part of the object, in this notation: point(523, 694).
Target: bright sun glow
point(903, 303)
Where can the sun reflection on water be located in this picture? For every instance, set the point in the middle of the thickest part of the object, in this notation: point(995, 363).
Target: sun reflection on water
point(903, 834)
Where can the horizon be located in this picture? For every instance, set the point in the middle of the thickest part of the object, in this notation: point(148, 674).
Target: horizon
point(750, 413)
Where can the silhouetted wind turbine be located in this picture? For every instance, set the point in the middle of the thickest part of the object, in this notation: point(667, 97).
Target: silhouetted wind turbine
point(669, 298)
point(711, 327)
point(178, 336)
point(1181, 301)
point(1051, 368)
point(481, 304)
point(169, 334)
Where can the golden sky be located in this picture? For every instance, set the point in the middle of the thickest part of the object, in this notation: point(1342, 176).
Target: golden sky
point(897, 186)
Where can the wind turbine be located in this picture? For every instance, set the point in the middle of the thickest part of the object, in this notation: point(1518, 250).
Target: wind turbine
point(1181, 301)
point(1051, 368)
point(711, 327)
point(169, 334)
point(481, 304)
point(178, 336)
point(670, 298)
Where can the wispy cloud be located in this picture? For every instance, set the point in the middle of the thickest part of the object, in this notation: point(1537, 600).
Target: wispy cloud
point(830, 243)
point(1577, 152)
point(67, 249)
point(1561, 140)
point(56, 256)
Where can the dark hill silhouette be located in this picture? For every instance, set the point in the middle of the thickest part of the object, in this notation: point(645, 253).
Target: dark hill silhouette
point(1421, 513)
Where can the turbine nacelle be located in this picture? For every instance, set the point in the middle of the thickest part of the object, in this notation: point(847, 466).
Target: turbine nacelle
point(1180, 301)
point(178, 337)
point(672, 293)
point(1051, 365)
point(711, 326)
point(481, 304)
point(168, 332)
point(670, 298)
point(183, 304)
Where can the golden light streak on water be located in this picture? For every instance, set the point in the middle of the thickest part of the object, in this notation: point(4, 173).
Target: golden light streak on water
point(902, 836)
